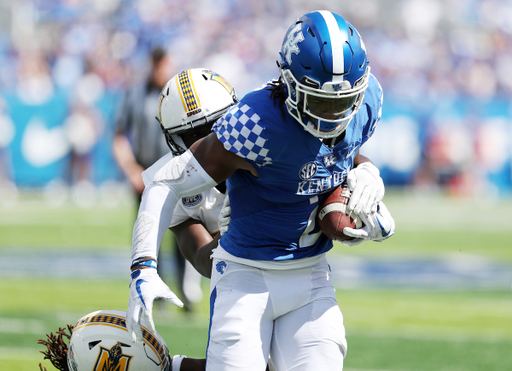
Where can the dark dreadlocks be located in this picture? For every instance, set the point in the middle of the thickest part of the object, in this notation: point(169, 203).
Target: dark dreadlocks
point(56, 348)
point(278, 94)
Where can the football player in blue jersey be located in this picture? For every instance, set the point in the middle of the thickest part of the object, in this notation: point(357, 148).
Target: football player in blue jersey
point(281, 148)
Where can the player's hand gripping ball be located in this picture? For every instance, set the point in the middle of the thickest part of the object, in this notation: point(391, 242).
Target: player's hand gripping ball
point(333, 215)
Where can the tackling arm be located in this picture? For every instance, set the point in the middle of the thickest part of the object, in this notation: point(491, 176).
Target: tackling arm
point(203, 166)
point(182, 176)
point(196, 245)
point(200, 168)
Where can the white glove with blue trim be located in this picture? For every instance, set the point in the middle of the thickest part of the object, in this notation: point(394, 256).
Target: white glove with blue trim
point(367, 188)
point(225, 216)
point(146, 286)
point(378, 226)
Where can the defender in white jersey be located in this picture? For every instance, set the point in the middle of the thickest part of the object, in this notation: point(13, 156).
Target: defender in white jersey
point(196, 224)
point(189, 105)
point(281, 149)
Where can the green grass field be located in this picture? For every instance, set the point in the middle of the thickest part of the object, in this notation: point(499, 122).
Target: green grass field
point(388, 329)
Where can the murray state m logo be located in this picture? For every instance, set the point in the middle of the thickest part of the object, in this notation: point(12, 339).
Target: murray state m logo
point(112, 359)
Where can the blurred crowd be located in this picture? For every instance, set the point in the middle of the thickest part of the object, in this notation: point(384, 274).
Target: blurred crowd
point(445, 67)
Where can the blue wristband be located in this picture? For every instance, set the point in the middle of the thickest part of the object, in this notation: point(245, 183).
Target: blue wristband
point(144, 262)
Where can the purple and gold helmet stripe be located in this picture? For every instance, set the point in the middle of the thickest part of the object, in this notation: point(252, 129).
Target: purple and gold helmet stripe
point(120, 322)
point(188, 93)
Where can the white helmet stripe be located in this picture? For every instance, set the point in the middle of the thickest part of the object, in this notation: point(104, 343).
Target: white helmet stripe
point(338, 60)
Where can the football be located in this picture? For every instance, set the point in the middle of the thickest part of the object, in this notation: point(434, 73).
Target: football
point(332, 216)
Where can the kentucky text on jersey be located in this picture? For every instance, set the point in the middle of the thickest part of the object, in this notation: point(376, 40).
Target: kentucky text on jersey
point(321, 185)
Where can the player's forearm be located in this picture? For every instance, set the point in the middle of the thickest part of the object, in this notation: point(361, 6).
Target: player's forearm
point(359, 159)
point(182, 176)
point(191, 364)
point(155, 215)
point(202, 258)
point(196, 245)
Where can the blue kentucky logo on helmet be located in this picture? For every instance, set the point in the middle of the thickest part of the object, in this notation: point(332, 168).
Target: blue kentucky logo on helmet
point(221, 267)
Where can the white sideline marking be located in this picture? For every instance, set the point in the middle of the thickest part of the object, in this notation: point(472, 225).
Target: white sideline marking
point(21, 353)
point(21, 326)
point(422, 334)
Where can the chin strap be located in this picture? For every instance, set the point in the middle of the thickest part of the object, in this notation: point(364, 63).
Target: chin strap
point(173, 146)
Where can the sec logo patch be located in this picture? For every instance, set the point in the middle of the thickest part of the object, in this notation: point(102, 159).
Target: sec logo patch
point(308, 170)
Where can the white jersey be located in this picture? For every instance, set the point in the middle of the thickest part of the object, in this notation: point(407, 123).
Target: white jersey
point(204, 207)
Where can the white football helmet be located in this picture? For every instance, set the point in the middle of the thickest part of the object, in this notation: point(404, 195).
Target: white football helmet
point(100, 342)
point(192, 98)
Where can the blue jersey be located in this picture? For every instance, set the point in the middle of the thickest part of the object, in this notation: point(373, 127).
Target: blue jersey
point(273, 216)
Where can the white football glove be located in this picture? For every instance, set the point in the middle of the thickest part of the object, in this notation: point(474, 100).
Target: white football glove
point(367, 188)
point(146, 286)
point(225, 216)
point(378, 226)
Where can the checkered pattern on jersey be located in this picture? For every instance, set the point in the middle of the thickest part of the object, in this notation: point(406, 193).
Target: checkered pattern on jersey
point(240, 132)
point(187, 92)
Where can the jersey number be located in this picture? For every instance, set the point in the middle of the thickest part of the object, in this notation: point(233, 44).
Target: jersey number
point(309, 236)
